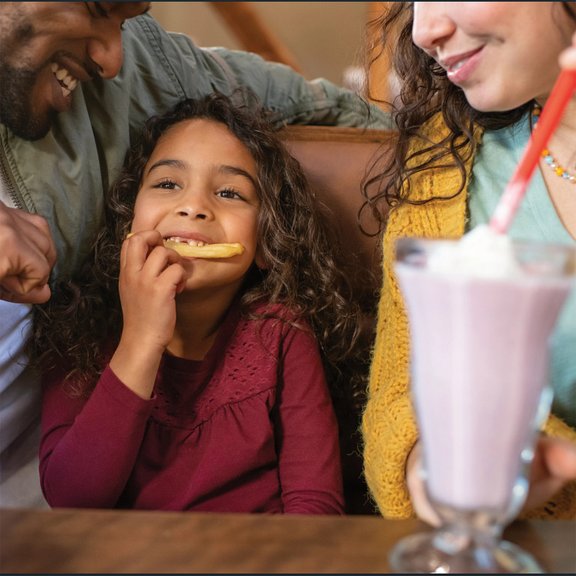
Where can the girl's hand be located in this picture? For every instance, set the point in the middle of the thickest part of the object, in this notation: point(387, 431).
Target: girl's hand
point(150, 279)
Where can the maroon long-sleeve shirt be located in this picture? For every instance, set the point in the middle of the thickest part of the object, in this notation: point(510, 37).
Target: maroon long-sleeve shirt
point(249, 429)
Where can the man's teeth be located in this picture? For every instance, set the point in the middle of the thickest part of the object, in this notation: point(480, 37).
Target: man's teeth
point(186, 241)
point(67, 82)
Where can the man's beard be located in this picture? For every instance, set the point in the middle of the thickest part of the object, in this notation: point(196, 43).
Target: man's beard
point(16, 109)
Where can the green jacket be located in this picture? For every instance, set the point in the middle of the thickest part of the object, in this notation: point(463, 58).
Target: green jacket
point(63, 176)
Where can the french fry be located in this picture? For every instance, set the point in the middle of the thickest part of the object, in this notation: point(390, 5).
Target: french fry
point(206, 251)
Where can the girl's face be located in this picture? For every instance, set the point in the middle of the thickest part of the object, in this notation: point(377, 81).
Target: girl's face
point(502, 54)
point(199, 185)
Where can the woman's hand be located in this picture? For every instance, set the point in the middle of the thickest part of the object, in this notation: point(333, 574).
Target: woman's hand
point(416, 487)
point(568, 56)
point(150, 278)
point(553, 465)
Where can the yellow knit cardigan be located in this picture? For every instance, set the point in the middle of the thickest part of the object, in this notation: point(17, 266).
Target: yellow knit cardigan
point(388, 425)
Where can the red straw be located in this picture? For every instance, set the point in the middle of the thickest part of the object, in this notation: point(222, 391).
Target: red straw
point(549, 119)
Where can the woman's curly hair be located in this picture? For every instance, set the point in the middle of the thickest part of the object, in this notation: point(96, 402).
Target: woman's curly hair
point(424, 91)
point(77, 327)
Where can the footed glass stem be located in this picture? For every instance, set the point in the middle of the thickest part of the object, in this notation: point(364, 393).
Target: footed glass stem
point(446, 552)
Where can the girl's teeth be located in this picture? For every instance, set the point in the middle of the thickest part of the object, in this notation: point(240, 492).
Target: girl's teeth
point(189, 242)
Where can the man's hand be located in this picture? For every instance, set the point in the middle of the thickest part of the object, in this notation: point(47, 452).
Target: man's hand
point(27, 254)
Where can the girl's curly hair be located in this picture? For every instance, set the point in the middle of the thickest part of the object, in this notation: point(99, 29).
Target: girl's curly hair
point(83, 319)
point(424, 91)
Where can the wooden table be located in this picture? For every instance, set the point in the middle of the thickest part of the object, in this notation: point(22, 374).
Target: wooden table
point(104, 541)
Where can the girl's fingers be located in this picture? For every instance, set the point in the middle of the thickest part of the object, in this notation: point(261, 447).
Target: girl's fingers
point(146, 262)
point(158, 260)
point(138, 248)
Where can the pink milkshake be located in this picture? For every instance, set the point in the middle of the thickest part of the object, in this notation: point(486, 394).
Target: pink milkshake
point(479, 370)
point(480, 312)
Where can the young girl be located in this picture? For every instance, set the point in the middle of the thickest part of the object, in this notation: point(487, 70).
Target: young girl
point(472, 77)
point(197, 383)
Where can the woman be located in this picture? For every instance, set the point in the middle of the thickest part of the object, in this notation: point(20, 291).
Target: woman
point(472, 78)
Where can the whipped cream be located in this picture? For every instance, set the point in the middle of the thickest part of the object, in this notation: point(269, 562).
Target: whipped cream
point(482, 253)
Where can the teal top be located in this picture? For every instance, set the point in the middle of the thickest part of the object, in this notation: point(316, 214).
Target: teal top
point(536, 219)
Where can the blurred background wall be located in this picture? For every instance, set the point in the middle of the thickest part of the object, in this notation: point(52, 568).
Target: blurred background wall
point(323, 39)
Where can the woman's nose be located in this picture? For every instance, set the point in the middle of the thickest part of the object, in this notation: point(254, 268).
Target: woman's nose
point(432, 24)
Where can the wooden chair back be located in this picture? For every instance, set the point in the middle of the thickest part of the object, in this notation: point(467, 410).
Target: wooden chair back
point(336, 161)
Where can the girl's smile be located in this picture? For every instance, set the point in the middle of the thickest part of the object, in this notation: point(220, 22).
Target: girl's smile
point(190, 197)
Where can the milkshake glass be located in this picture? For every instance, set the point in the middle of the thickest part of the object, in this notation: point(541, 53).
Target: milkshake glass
point(479, 377)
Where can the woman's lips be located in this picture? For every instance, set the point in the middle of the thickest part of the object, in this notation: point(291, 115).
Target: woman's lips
point(459, 68)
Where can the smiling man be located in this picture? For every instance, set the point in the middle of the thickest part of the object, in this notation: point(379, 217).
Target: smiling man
point(77, 81)
point(48, 49)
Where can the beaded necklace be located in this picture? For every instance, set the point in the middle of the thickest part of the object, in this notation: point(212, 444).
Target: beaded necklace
point(549, 157)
